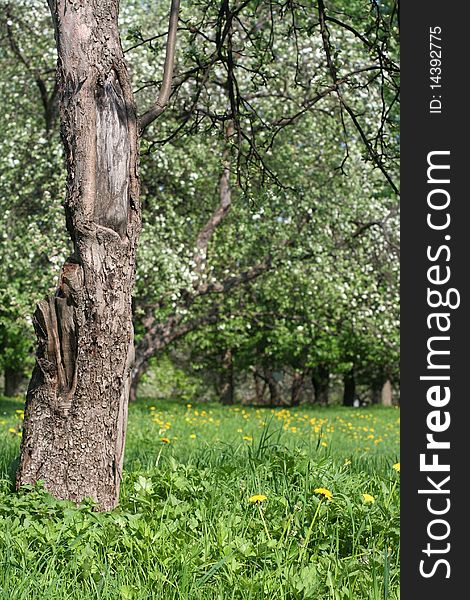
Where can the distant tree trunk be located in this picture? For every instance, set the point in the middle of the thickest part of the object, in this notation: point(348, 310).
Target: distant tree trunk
point(376, 387)
point(349, 391)
point(273, 387)
point(387, 393)
point(268, 382)
point(321, 384)
point(297, 386)
point(136, 376)
point(260, 387)
point(227, 388)
point(143, 352)
point(76, 408)
point(14, 382)
point(376, 390)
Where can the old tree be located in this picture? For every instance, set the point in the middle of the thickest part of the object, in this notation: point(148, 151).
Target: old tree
point(247, 75)
point(76, 415)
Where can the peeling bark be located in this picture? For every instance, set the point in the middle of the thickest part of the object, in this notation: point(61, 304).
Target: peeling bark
point(76, 408)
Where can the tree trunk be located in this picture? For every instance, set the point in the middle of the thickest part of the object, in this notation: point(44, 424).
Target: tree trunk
point(76, 407)
point(227, 395)
point(376, 389)
point(136, 376)
point(387, 394)
point(260, 388)
point(321, 384)
point(273, 387)
point(297, 387)
point(14, 382)
point(349, 391)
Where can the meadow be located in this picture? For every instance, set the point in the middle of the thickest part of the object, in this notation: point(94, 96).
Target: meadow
point(217, 503)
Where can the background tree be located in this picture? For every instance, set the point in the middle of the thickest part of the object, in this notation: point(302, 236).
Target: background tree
point(31, 217)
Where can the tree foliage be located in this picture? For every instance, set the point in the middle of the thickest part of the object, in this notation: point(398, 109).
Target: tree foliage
point(296, 105)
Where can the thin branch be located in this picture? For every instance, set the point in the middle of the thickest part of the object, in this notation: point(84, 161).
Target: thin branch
point(48, 102)
point(164, 94)
point(325, 34)
point(146, 41)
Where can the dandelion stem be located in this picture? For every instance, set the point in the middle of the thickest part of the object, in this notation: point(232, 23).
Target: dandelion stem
point(264, 522)
point(309, 532)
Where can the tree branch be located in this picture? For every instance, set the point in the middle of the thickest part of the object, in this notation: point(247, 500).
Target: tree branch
point(225, 195)
point(48, 102)
point(325, 34)
point(161, 334)
point(164, 94)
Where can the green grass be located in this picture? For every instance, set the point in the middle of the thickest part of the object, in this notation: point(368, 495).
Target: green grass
point(185, 528)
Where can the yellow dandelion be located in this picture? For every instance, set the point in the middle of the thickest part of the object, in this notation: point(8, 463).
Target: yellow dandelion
point(368, 499)
point(165, 440)
point(257, 498)
point(247, 438)
point(12, 430)
point(189, 405)
point(324, 492)
point(193, 436)
point(396, 466)
point(19, 412)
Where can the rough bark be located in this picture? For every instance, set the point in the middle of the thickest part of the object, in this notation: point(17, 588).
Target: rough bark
point(76, 408)
point(349, 390)
point(321, 384)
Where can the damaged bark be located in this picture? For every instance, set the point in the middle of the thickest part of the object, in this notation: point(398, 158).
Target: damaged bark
point(76, 407)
